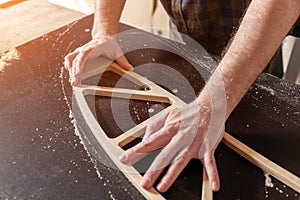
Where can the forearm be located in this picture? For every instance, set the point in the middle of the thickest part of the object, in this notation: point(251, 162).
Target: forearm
point(264, 26)
point(107, 16)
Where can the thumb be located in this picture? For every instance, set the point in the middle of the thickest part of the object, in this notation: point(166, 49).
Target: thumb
point(123, 62)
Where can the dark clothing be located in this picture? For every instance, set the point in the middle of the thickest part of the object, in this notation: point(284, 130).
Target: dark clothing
point(296, 29)
point(209, 22)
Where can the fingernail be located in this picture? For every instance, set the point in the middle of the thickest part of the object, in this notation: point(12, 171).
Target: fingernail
point(123, 156)
point(130, 68)
point(145, 183)
point(162, 187)
point(214, 186)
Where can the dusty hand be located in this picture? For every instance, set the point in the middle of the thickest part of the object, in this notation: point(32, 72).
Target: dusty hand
point(74, 61)
point(183, 135)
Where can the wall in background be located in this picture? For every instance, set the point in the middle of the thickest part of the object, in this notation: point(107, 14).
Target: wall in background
point(84, 6)
point(27, 20)
point(137, 13)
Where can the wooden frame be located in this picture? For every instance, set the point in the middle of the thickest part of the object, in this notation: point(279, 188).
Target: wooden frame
point(113, 147)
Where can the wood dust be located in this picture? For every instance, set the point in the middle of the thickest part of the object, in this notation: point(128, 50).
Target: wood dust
point(6, 57)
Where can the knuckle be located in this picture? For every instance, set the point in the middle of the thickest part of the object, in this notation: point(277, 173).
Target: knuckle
point(146, 143)
point(170, 129)
point(180, 160)
point(162, 157)
point(67, 57)
point(168, 179)
point(150, 129)
point(129, 152)
point(210, 159)
point(212, 172)
point(186, 156)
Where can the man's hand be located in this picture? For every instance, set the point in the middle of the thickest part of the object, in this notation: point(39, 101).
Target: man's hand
point(74, 61)
point(182, 133)
point(106, 22)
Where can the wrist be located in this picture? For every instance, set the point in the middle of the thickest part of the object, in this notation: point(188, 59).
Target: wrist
point(213, 99)
point(204, 103)
point(102, 37)
point(104, 31)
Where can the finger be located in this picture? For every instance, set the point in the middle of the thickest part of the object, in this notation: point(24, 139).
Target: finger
point(68, 60)
point(72, 72)
point(70, 57)
point(160, 162)
point(173, 172)
point(71, 78)
point(156, 141)
point(74, 80)
point(156, 125)
point(80, 60)
point(210, 165)
point(150, 177)
point(123, 62)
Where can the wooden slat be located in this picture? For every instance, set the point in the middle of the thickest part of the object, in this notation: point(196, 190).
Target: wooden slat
point(262, 162)
point(207, 193)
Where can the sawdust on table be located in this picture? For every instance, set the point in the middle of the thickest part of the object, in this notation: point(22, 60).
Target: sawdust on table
point(268, 180)
point(8, 56)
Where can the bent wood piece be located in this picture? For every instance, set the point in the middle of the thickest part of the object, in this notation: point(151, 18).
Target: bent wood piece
point(113, 147)
point(262, 162)
point(207, 193)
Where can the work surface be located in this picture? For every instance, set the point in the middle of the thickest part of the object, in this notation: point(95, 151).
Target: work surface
point(41, 157)
point(26, 20)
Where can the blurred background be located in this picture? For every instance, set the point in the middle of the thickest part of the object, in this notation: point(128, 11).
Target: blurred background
point(24, 20)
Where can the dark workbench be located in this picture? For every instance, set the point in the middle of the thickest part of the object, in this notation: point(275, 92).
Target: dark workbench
point(42, 158)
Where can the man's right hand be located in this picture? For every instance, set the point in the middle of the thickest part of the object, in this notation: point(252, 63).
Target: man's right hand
point(108, 47)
